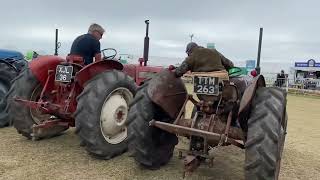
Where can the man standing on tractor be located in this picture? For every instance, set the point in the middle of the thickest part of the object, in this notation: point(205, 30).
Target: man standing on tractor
point(87, 46)
point(202, 59)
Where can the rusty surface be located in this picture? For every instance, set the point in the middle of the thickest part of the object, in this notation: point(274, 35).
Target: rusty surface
point(227, 129)
point(168, 92)
point(214, 125)
point(213, 138)
point(48, 129)
point(182, 111)
point(240, 84)
point(193, 159)
point(191, 163)
point(193, 100)
point(250, 92)
point(230, 92)
point(206, 107)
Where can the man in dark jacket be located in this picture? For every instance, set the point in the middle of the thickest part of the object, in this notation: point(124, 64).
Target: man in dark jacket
point(87, 45)
point(202, 60)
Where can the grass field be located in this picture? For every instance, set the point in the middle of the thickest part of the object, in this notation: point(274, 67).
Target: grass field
point(62, 157)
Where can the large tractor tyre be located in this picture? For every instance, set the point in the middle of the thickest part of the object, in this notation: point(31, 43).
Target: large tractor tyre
point(20, 65)
point(266, 134)
point(151, 147)
point(102, 112)
point(26, 87)
point(7, 74)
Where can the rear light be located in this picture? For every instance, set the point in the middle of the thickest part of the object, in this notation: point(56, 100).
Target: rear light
point(254, 73)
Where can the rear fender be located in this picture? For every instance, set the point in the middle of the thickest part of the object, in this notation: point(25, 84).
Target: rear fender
point(88, 72)
point(168, 92)
point(246, 100)
point(40, 67)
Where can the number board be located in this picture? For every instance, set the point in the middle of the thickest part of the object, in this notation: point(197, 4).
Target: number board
point(64, 73)
point(206, 85)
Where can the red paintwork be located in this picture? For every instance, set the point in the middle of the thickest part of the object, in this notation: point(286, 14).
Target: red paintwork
point(130, 69)
point(93, 69)
point(42, 65)
point(254, 73)
point(138, 72)
point(59, 99)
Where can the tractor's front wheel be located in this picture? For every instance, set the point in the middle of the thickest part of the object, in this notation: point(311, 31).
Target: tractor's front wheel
point(266, 134)
point(102, 112)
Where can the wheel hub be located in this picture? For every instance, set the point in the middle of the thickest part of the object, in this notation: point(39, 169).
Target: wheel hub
point(114, 114)
point(120, 115)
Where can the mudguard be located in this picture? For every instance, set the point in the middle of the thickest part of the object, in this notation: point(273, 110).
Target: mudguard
point(168, 92)
point(247, 97)
point(41, 65)
point(91, 70)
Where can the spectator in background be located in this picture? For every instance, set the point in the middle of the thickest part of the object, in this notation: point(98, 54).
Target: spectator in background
point(281, 77)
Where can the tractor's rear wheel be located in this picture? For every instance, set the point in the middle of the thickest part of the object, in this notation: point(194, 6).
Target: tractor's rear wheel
point(26, 87)
point(151, 147)
point(7, 74)
point(266, 134)
point(102, 112)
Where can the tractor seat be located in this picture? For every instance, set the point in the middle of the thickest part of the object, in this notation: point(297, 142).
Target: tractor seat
point(222, 75)
point(75, 59)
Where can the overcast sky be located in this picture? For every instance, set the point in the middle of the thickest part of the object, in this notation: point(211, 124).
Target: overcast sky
point(291, 28)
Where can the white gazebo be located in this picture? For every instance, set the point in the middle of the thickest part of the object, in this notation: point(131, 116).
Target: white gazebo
point(307, 73)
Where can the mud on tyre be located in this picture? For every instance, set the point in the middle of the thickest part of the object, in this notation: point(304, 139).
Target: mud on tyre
point(151, 147)
point(102, 113)
point(266, 134)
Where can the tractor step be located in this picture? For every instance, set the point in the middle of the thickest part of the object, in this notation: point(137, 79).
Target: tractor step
point(48, 129)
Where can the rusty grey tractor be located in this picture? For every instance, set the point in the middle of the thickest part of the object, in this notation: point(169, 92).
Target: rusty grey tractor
point(228, 110)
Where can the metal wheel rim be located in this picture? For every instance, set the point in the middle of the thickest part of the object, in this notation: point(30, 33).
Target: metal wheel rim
point(36, 115)
point(112, 126)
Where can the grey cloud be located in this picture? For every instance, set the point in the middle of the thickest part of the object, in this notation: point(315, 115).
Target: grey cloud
point(290, 26)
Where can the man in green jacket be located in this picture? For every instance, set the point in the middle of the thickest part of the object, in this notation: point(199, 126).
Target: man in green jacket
point(202, 59)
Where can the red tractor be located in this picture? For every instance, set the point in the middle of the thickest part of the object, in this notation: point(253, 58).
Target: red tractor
point(53, 94)
point(230, 111)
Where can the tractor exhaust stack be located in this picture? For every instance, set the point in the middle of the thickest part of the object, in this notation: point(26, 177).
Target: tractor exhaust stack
point(56, 44)
point(146, 44)
point(259, 52)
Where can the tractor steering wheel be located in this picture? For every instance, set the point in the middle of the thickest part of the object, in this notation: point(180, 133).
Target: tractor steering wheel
point(108, 57)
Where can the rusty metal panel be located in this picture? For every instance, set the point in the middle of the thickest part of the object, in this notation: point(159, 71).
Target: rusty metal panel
point(250, 92)
point(168, 92)
point(212, 138)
